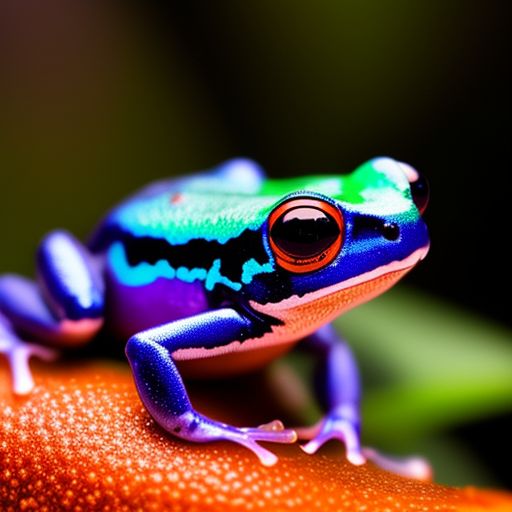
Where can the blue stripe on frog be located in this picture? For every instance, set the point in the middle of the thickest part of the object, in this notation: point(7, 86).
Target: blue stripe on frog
point(145, 273)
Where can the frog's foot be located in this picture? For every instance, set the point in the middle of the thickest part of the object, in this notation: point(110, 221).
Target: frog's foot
point(341, 423)
point(197, 428)
point(18, 353)
point(410, 467)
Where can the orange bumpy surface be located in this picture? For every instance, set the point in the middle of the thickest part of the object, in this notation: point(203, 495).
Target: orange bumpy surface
point(82, 441)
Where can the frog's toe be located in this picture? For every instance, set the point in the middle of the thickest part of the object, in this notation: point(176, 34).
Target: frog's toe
point(273, 432)
point(197, 428)
point(266, 457)
point(41, 352)
point(18, 354)
point(410, 467)
point(329, 428)
point(353, 451)
point(249, 437)
point(274, 425)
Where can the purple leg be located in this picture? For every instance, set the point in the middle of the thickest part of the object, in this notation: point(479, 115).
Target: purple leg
point(162, 390)
point(341, 395)
point(65, 309)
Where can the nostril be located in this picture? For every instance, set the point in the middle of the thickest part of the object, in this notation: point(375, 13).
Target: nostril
point(365, 227)
point(370, 227)
point(390, 231)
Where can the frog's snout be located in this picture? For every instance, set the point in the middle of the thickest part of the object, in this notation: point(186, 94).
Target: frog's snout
point(420, 190)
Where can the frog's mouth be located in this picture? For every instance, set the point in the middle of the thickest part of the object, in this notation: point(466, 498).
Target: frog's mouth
point(348, 293)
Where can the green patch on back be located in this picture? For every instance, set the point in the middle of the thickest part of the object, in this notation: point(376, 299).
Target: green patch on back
point(221, 216)
point(216, 217)
point(330, 186)
point(355, 188)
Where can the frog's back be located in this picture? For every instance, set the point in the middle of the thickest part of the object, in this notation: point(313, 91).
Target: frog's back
point(217, 206)
point(212, 206)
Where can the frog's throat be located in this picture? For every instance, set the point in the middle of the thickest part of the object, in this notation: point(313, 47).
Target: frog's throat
point(301, 316)
point(348, 293)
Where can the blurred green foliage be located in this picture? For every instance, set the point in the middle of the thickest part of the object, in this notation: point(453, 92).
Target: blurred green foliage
point(429, 366)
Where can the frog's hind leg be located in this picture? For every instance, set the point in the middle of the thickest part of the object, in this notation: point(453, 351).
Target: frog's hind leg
point(338, 380)
point(65, 308)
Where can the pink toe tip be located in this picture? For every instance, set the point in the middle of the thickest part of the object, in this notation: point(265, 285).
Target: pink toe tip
point(268, 459)
point(356, 458)
point(273, 426)
point(419, 469)
point(23, 389)
point(309, 448)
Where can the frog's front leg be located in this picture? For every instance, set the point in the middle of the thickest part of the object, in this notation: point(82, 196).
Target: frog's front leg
point(340, 391)
point(162, 390)
point(64, 308)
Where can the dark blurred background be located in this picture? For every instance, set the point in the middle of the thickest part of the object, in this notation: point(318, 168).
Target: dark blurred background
point(97, 98)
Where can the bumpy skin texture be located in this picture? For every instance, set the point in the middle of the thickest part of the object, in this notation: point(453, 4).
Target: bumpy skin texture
point(190, 272)
point(83, 441)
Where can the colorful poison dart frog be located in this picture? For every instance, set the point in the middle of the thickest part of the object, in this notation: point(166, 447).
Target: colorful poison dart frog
point(219, 273)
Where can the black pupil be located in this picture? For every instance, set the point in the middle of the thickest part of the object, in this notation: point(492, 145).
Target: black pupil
point(304, 232)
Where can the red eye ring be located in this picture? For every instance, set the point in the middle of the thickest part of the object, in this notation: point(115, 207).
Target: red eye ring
point(305, 234)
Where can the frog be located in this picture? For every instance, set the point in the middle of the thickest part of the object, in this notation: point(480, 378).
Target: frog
point(219, 273)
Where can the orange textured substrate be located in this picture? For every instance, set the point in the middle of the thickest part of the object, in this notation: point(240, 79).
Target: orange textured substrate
point(83, 441)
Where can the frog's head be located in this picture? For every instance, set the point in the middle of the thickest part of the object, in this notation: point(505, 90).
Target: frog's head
point(338, 241)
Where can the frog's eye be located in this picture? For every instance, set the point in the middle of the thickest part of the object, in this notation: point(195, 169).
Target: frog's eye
point(420, 190)
point(305, 234)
